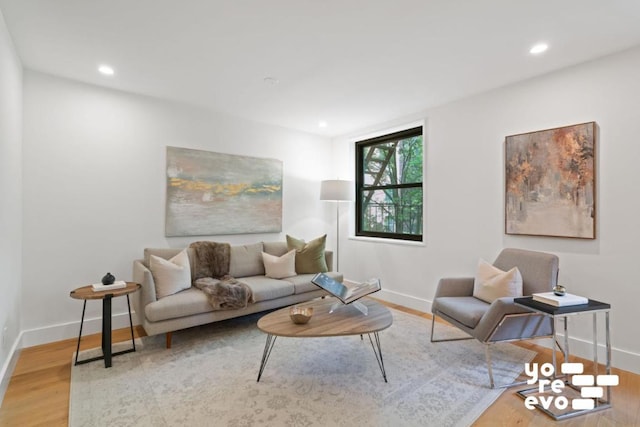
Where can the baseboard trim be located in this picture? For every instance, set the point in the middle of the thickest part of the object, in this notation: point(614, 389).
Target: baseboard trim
point(620, 359)
point(63, 331)
point(404, 300)
point(9, 366)
point(399, 298)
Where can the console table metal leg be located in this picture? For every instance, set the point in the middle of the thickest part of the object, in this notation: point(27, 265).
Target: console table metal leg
point(84, 306)
point(595, 345)
point(608, 344)
point(377, 350)
point(554, 344)
point(268, 346)
point(566, 340)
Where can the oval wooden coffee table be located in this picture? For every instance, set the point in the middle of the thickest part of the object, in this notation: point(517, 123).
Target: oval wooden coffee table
point(345, 320)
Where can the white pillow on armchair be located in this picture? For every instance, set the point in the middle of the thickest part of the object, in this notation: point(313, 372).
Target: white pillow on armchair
point(492, 283)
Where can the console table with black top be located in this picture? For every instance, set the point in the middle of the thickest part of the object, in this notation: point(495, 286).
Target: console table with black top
point(87, 293)
point(592, 307)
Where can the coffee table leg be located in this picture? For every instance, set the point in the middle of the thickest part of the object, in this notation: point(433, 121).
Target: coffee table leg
point(377, 350)
point(268, 346)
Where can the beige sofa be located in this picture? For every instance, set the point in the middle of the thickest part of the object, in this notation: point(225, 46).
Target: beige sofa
point(191, 307)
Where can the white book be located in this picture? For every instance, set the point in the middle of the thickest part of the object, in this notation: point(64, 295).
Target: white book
point(119, 284)
point(558, 300)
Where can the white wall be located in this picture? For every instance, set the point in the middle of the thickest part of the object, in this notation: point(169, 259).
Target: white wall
point(94, 189)
point(464, 183)
point(10, 199)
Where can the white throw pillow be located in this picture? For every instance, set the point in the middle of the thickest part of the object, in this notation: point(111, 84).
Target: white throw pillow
point(280, 267)
point(170, 276)
point(492, 283)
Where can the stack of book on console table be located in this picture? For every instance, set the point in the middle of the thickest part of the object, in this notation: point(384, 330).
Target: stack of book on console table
point(559, 300)
point(119, 284)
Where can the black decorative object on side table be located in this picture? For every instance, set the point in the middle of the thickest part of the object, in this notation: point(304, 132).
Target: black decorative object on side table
point(108, 279)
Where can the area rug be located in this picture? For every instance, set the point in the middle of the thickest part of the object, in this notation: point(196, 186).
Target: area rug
point(209, 378)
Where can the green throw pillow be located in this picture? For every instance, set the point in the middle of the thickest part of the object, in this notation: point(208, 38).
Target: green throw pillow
point(309, 256)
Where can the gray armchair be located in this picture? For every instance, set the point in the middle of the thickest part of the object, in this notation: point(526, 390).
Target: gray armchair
point(502, 320)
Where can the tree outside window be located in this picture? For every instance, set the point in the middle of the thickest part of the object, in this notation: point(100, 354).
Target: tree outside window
point(389, 186)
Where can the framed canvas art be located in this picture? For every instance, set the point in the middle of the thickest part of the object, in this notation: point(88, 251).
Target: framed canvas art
point(212, 193)
point(551, 182)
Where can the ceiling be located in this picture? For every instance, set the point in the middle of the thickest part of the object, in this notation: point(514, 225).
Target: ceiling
point(350, 63)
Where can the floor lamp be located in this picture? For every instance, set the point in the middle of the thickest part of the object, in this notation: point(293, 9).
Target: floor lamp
point(336, 190)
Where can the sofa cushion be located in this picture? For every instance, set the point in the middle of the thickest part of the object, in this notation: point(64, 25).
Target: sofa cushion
point(246, 260)
point(310, 257)
point(265, 288)
point(186, 303)
point(170, 276)
point(275, 248)
point(167, 253)
point(302, 282)
point(279, 267)
point(492, 283)
point(466, 310)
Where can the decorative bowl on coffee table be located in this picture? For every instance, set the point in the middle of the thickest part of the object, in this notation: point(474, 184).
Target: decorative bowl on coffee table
point(300, 315)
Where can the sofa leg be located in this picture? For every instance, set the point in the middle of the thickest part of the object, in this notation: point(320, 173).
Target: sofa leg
point(168, 339)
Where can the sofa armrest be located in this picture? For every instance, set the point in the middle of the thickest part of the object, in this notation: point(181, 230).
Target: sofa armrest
point(147, 294)
point(328, 257)
point(455, 287)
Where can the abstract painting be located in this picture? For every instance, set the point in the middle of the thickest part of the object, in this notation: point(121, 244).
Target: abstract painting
point(216, 194)
point(551, 183)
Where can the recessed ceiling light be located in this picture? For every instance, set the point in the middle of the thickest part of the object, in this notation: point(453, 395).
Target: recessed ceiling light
point(322, 124)
point(106, 70)
point(538, 48)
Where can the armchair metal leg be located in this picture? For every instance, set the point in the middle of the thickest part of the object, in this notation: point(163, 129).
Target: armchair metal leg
point(487, 350)
point(433, 321)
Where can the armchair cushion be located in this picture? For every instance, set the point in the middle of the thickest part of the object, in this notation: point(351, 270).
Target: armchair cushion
point(466, 310)
point(492, 283)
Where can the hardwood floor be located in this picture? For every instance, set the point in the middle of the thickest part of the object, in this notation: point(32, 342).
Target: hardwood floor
point(38, 394)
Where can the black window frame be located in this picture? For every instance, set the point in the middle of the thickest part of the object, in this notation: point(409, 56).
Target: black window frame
point(361, 187)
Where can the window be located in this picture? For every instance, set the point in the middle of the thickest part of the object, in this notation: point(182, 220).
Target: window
point(389, 186)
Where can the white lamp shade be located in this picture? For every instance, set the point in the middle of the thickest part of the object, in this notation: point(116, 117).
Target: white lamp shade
point(335, 189)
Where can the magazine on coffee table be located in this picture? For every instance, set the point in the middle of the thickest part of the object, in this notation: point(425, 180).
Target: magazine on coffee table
point(346, 294)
